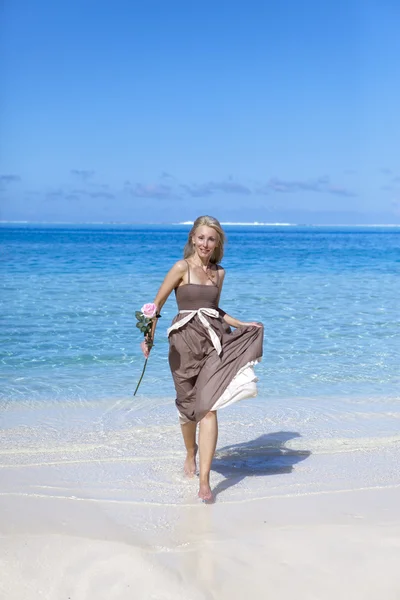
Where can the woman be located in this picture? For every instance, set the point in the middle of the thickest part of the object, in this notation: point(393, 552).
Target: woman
point(211, 365)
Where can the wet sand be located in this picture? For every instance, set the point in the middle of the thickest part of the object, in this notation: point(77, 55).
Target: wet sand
point(91, 512)
point(344, 544)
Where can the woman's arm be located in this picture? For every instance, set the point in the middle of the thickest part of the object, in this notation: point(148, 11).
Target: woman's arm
point(231, 321)
point(171, 281)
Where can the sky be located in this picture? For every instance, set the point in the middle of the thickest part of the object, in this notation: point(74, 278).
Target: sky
point(162, 110)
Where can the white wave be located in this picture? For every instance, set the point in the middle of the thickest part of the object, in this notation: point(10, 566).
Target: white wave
point(253, 223)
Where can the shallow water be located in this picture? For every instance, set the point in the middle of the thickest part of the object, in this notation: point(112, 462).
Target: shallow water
point(328, 298)
point(132, 453)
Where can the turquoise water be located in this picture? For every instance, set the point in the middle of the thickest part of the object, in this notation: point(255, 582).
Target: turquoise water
point(328, 298)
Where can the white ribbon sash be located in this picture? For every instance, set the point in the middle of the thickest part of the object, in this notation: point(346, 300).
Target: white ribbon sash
point(211, 312)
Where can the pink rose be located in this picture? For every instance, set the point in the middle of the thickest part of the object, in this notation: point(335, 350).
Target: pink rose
point(149, 310)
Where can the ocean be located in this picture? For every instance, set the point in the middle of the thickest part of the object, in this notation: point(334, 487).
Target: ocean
point(328, 297)
point(70, 351)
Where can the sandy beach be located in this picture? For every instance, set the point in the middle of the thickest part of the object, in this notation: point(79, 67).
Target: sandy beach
point(89, 513)
point(320, 546)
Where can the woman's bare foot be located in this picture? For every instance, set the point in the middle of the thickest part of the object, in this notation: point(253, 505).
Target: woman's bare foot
point(205, 492)
point(190, 466)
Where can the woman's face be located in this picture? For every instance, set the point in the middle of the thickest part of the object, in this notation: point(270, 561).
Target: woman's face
point(205, 240)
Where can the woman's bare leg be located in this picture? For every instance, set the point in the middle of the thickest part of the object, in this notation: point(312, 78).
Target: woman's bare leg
point(208, 442)
point(189, 437)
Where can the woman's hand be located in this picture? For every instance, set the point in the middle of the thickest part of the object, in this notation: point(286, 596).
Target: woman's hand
point(145, 348)
point(232, 322)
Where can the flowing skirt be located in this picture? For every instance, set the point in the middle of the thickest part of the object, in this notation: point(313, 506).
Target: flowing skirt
point(207, 381)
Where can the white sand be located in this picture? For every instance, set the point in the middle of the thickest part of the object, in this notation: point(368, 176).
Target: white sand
point(335, 545)
point(91, 512)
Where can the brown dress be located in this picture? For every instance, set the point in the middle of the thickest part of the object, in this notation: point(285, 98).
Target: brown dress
point(210, 370)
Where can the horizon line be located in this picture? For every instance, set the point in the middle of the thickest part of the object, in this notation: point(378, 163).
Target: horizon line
point(225, 223)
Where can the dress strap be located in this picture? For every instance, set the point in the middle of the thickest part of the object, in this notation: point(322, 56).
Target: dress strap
point(188, 270)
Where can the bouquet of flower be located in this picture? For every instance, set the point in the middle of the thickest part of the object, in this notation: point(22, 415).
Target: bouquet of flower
point(145, 319)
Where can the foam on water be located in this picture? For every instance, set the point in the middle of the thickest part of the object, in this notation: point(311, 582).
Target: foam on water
point(120, 451)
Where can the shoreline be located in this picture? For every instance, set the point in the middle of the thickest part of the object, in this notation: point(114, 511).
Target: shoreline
point(94, 506)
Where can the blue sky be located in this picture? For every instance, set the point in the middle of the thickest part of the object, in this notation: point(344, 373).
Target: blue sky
point(157, 111)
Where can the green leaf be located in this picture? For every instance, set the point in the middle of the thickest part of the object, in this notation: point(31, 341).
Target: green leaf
point(143, 329)
point(138, 315)
point(139, 325)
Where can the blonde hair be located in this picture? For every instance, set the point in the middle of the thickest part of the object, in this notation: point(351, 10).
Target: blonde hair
point(206, 221)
